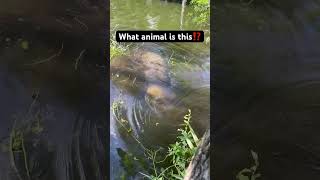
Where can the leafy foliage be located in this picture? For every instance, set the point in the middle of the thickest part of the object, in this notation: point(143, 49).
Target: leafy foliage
point(172, 164)
point(117, 49)
point(201, 13)
point(179, 154)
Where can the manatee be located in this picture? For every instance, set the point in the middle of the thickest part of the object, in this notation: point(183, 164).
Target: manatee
point(144, 73)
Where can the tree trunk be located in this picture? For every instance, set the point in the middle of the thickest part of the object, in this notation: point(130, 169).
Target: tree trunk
point(199, 167)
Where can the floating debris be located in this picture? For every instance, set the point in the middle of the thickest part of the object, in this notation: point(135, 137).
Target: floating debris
point(25, 45)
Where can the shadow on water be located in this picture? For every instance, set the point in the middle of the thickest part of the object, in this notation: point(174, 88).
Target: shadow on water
point(267, 90)
point(53, 121)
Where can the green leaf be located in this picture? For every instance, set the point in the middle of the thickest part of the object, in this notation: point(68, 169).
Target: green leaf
point(190, 144)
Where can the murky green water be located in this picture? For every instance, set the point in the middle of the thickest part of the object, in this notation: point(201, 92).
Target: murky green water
point(189, 71)
point(147, 15)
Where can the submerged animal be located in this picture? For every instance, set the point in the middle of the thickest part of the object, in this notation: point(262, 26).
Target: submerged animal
point(144, 73)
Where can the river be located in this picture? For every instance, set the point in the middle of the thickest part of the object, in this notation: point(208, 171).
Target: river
point(190, 80)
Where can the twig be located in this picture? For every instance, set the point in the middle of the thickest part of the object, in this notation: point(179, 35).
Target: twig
point(248, 3)
point(145, 175)
point(81, 23)
point(153, 163)
point(63, 23)
point(47, 59)
point(170, 60)
point(33, 102)
point(78, 59)
point(25, 157)
point(162, 173)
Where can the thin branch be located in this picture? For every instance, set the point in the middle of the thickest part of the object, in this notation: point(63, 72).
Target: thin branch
point(25, 157)
point(78, 59)
point(81, 23)
point(47, 59)
point(63, 23)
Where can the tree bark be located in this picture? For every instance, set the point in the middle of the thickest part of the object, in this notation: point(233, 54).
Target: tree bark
point(199, 167)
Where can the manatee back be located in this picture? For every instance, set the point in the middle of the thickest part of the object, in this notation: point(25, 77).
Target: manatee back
point(155, 67)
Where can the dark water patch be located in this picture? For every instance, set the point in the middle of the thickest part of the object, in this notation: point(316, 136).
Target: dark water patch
point(61, 72)
point(266, 93)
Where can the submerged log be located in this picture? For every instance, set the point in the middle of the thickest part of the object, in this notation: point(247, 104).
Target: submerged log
point(199, 167)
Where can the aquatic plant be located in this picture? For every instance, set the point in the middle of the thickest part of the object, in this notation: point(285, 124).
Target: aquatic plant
point(116, 48)
point(170, 163)
point(178, 155)
point(32, 127)
point(250, 173)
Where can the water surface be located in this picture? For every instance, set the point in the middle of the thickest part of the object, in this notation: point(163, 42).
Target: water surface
point(189, 79)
